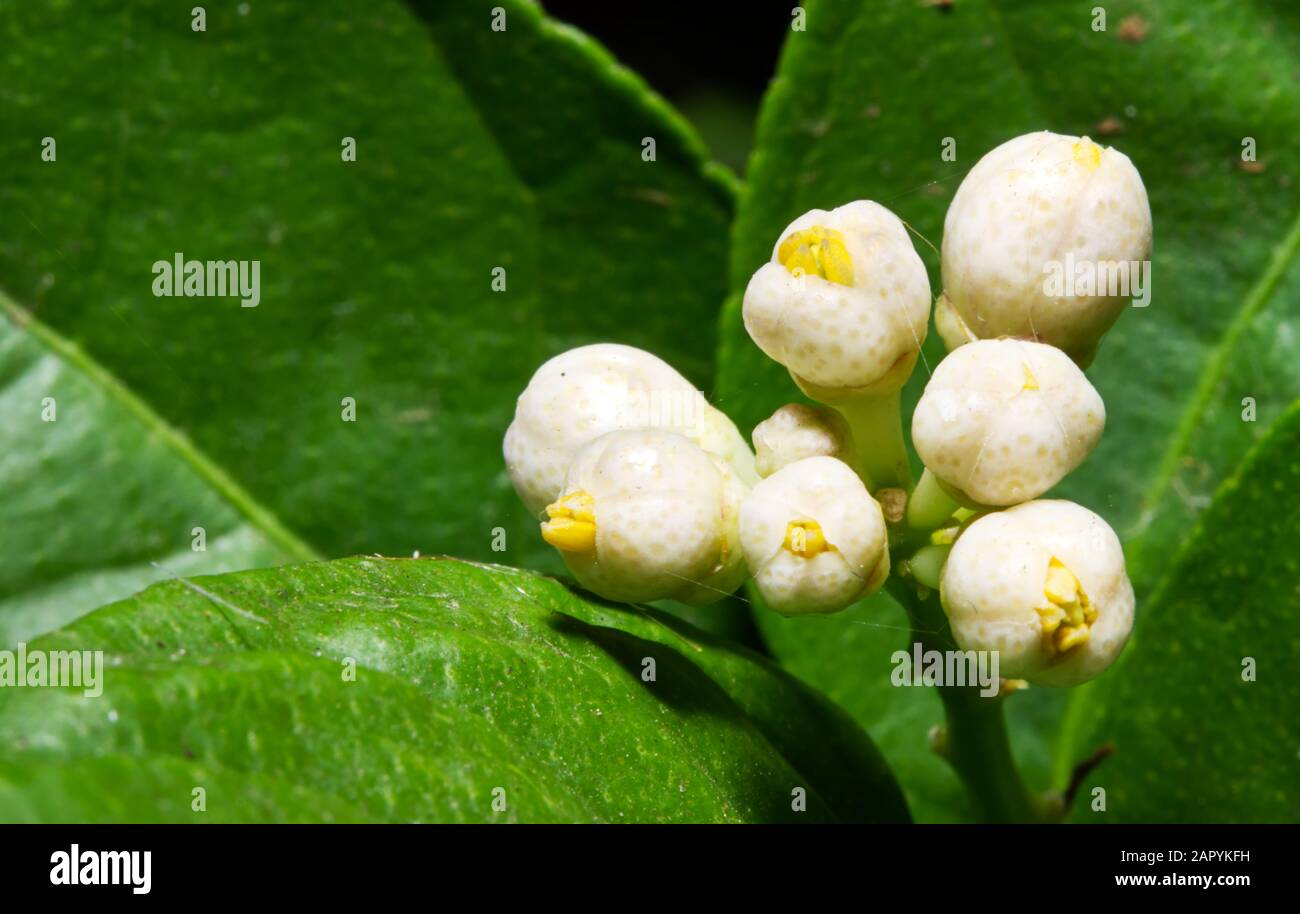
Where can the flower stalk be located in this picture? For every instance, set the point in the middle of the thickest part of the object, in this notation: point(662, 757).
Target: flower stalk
point(975, 739)
point(929, 505)
point(875, 422)
point(926, 565)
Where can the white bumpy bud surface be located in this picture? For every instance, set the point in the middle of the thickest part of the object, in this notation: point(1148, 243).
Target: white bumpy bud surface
point(796, 431)
point(844, 303)
point(1002, 421)
point(1044, 585)
point(814, 538)
point(664, 514)
point(1033, 201)
point(587, 392)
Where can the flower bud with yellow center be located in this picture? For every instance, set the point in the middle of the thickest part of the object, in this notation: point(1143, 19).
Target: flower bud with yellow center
point(805, 538)
point(572, 523)
point(1002, 421)
point(844, 302)
point(814, 538)
point(1033, 208)
point(649, 515)
point(587, 392)
point(1044, 585)
point(818, 251)
point(1067, 615)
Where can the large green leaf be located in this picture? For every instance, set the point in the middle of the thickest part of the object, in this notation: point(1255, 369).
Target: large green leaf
point(476, 148)
point(1203, 709)
point(468, 678)
point(862, 103)
point(100, 496)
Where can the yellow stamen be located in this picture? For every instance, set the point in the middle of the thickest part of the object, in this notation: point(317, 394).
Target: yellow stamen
point(1071, 636)
point(577, 505)
point(1087, 153)
point(1067, 618)
point(805, 538)
point(1050, 617)
point(572, 524)
point(570, 535)
point(1061, 587)
point(817, 251)
point(1031, 382)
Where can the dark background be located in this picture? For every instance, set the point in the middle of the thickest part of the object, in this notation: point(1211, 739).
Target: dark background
point(712, 61)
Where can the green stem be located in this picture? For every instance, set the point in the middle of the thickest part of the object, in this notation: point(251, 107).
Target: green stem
point(927, 564)
point(975, 740)
point(877, 426)
point(929, 505)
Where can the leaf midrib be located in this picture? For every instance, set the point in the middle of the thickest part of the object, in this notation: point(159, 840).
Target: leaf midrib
point(262, 518)
point(1216, 366)
point(620, 79)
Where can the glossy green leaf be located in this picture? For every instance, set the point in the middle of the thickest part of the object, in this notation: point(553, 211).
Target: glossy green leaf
point(523, 149)
point(101, 498)
point(1202, 709)
point(863, 102)
point(399, 689)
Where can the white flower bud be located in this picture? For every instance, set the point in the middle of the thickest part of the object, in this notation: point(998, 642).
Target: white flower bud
point(796, 431)
point(1029, 209)
point(1002, 421)
point(844, 303)
point(1044, 585)
point(814, 538)
point(648, 515)
point(587, 392)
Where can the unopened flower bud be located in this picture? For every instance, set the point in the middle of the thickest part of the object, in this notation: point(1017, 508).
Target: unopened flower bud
point(1047, 238)
point(844, 302)
point(587, 392)
point(814, 538)
point(1044, 585)
point(648, 515)
point(1002, 421)
point(796, 431)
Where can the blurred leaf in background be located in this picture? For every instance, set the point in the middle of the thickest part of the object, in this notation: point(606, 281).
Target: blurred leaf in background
point(476, 149)
point(1202, 706)
point(725, 121)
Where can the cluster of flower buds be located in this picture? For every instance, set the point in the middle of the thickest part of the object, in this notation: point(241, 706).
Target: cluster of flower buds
point(649, 492)
point(637, 479)
point(590, 391)
point(1009, 413)
point(650, 504)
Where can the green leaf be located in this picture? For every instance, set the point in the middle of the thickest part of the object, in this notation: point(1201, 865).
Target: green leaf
point(1201, 708)
point(469, 679)
point(99, 493)
point(475, 149)
point(862, 103)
